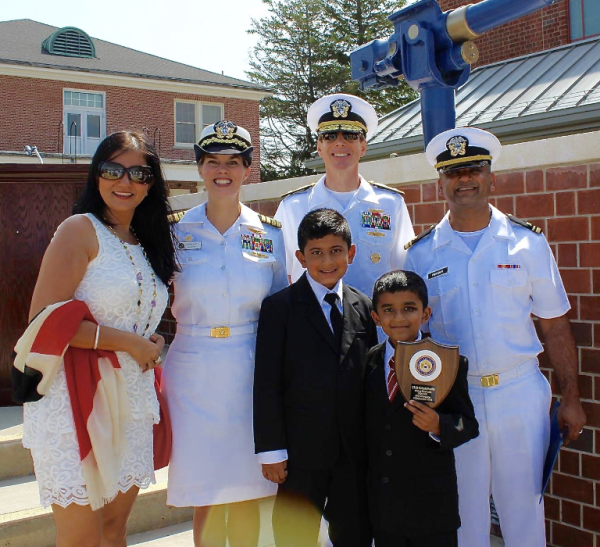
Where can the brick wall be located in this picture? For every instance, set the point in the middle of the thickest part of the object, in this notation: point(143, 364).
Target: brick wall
point(32, 111)
point(544, 29)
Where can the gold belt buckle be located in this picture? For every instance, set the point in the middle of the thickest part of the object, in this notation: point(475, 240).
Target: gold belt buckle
point(220, 332)
point(490, 380)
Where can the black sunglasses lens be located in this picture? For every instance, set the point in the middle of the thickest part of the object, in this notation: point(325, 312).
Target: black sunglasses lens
point(140, 174)
point(111, 171)
point(333, 136)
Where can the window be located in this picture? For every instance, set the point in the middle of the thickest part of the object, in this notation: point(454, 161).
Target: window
point(84, 121)
point(585, 18)
point(78, 98)
point(191, 118)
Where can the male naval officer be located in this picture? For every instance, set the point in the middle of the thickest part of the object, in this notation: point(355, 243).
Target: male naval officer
point(487, 274)
point(376, 213)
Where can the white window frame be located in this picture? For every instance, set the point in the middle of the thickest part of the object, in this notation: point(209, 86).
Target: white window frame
point(198, 122)
point(83, 110)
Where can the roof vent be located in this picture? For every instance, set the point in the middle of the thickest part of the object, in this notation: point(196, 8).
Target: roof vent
point(70, 42)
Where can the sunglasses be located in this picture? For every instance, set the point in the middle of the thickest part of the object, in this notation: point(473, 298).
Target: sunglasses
point(472, 170)
point(140, 174)
point(348, 136)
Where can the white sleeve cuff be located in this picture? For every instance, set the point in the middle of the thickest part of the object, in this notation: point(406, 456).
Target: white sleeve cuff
point(435, 438)
point(274, 456)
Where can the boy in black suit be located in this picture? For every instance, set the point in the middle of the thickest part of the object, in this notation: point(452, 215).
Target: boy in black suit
point(413, 498)
point(311, 348)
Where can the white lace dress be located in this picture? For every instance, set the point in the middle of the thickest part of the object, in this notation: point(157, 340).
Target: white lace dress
point(109, 288)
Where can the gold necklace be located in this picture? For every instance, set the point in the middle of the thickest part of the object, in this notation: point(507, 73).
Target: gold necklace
point(139, 278)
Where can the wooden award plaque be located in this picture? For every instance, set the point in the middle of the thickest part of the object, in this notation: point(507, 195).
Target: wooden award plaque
point(426, 370)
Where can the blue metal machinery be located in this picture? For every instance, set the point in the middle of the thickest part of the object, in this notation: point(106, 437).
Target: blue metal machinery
point(433, 51)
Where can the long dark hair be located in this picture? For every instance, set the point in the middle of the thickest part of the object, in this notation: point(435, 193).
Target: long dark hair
point(150, 222)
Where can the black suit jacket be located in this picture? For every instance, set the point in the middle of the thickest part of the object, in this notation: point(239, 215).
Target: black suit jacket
point(412, 478)
point(308, 393)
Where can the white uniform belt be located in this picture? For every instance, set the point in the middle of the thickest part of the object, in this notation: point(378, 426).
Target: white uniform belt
point(491, 380)
point(217, 332)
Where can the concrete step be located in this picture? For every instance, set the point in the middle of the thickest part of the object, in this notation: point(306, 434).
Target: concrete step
point(15, 461)
point(24, 523)
point(180, 535)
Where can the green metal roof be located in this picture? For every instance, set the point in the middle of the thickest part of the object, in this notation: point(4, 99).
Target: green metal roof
point(546, 94)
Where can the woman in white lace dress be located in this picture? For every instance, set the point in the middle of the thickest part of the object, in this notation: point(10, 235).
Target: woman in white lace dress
point(117, 256)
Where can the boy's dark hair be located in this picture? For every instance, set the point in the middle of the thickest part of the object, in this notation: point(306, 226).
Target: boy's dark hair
point(400, 281)
point(320, 223)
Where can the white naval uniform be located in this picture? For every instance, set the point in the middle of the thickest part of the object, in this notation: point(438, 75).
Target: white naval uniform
point(483, 301)
point(378, 249)
point(208, 380)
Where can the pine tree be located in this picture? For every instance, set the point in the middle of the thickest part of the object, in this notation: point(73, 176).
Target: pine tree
point(303, 53)
point(356, 22)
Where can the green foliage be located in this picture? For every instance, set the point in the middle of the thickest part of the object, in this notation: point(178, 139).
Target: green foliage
point(303, 53)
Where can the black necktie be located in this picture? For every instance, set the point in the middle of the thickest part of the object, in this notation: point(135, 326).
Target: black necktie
point(337, 321)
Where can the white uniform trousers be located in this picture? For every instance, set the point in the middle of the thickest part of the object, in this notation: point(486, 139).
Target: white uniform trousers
point(507, 459)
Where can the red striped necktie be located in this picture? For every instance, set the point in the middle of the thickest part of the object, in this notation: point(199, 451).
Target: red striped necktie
point(392, 381)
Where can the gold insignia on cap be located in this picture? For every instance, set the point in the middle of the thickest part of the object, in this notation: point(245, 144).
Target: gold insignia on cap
point(340, 108)
point(225, 129)
point(375, 258)
point(457, 146)
point(338, 125)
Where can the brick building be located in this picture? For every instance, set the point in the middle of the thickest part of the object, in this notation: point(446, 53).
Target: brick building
point(561, 23)
point(63, 92)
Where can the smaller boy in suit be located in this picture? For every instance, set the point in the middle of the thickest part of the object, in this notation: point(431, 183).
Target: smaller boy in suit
point(413, 497)
point(312, 341)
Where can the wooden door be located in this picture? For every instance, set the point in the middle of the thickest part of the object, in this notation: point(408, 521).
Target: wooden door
point(34, 200)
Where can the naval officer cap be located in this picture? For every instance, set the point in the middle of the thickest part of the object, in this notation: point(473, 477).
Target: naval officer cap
point(342, 112)
point(224, 137)
point(462, 147)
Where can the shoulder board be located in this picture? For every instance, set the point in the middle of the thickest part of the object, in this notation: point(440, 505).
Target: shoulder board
point(525, 224)
point(423, 234)
point(175, 217)
point(386, 187)
point(298, 190)
point(270, 221)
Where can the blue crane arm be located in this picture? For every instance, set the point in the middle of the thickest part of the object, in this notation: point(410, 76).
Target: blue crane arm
point(433, 51)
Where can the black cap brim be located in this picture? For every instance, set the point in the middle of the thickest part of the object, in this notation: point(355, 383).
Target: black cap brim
point(465, 165)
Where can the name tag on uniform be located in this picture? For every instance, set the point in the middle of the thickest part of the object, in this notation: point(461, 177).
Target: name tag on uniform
point(190, 245)
point(508, 266)
point(437, 273)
